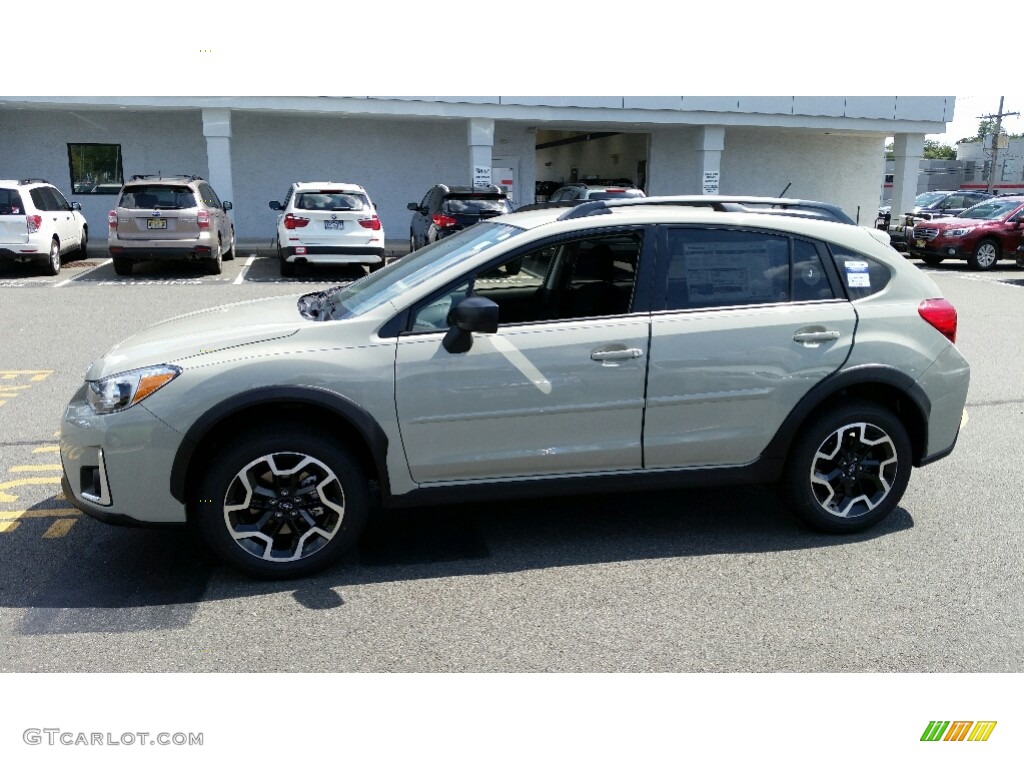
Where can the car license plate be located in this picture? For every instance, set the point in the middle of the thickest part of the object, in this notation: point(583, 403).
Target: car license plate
point(334, 225)
point(919, 243)
point(156, 223)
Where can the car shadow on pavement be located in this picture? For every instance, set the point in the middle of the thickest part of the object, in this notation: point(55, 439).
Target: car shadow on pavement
point(125, 580)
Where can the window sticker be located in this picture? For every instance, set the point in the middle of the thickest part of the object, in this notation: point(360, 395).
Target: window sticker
point(857, 274)
point(718, 273)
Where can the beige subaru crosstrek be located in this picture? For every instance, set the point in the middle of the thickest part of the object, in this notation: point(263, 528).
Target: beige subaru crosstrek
point(636, 344)
point(169, 217)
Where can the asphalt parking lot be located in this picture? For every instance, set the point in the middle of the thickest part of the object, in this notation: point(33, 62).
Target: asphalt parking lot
point(694, 581)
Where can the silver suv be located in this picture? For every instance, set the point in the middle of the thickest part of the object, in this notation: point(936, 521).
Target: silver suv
point(634, 345)
point(37, 224)
point(169, 217)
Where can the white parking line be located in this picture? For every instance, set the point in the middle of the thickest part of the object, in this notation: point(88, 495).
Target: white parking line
point(84, 272)
point(248, 263)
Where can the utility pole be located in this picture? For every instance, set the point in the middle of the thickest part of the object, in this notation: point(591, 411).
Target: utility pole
point(995, 141)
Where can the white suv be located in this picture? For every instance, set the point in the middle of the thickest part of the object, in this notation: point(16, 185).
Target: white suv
point(38, 224)
point(327, 222)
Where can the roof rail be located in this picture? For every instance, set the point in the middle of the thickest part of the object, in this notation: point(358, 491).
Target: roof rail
point(33, 181)
point(188, 176)
point(722, 203)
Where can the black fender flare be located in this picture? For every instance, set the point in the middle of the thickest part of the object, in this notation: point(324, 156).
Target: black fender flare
point(355, 415)
point(779, 446)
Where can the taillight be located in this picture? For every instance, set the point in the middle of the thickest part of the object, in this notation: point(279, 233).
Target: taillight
point(443, 221)
point(371, 223)
point(203, 219)
point(291, 221)
point(112, 219)
point(34, 223)
point(940, 315)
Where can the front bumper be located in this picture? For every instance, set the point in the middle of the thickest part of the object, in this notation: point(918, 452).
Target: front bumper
point(117, 467)
point(943, 249)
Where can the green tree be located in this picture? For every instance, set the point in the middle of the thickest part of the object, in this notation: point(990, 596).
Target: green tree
point(933, 150)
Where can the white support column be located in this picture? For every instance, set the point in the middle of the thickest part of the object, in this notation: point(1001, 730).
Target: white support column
point(217, 130)
point(710, 145)
point(480, 137)
point(908, 148)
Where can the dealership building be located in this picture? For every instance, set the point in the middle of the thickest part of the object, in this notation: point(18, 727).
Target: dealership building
point(251, 148)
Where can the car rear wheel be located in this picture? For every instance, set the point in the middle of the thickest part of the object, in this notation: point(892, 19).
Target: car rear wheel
point(985, 255)
point(122, 266)
point(216, 265)
point(83, 244)
point(229, 254)
point(848, 468)
point(282, 502)
point(52, 265)
point(932, 260)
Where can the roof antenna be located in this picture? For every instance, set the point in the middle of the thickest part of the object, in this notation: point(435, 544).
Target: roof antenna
point(783, 192)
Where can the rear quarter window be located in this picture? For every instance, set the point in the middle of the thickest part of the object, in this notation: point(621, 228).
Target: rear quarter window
point(10, 203)
point(860, 275)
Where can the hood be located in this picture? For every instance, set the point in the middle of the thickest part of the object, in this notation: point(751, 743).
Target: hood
point(188, 337)
point(953, 222)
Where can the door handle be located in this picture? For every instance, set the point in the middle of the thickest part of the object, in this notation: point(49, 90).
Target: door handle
point(815, 337)
point(603, 355)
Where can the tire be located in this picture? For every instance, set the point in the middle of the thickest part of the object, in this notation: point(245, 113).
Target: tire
point(311, 506)
point(52, 264)
point(216, 265)
point(83, 247)
point(848, 468)
point(985, 255)
point(932, 260)
point(229, 254)
point(122, 266)
point(412, 242)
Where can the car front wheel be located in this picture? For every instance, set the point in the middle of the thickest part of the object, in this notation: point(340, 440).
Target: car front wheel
point(985, 255)
point(848, 469)
point(282, 502)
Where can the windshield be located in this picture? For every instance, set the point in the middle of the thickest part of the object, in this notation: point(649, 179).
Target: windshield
point(991, 209)
point(927, 198)
point(411, 271)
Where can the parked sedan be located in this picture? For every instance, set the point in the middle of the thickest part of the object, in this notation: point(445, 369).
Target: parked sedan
point(981, 235)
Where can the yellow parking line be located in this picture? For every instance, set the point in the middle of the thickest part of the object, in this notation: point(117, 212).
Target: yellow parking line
point(37, 468)
point(36, 375)
point(23, 514)
point(59, 528)
point(47, 449)
point(8, 526)
point(8, 497)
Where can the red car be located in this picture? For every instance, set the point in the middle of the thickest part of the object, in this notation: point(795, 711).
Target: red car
point(982, 234)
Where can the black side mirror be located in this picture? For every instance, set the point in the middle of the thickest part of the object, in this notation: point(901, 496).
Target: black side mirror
point(413, 206)
point(474, 313)
point(227, 205)
point(275, 205)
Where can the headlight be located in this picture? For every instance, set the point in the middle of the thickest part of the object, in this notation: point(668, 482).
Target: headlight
point(960, 232)
point(123, 390)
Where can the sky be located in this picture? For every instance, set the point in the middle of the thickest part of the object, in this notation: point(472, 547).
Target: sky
point(966, 116)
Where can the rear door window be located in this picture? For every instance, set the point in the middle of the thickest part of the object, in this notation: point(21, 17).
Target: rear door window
point(43, 200)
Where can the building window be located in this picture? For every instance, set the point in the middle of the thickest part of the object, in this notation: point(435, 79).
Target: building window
point(95, 169)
